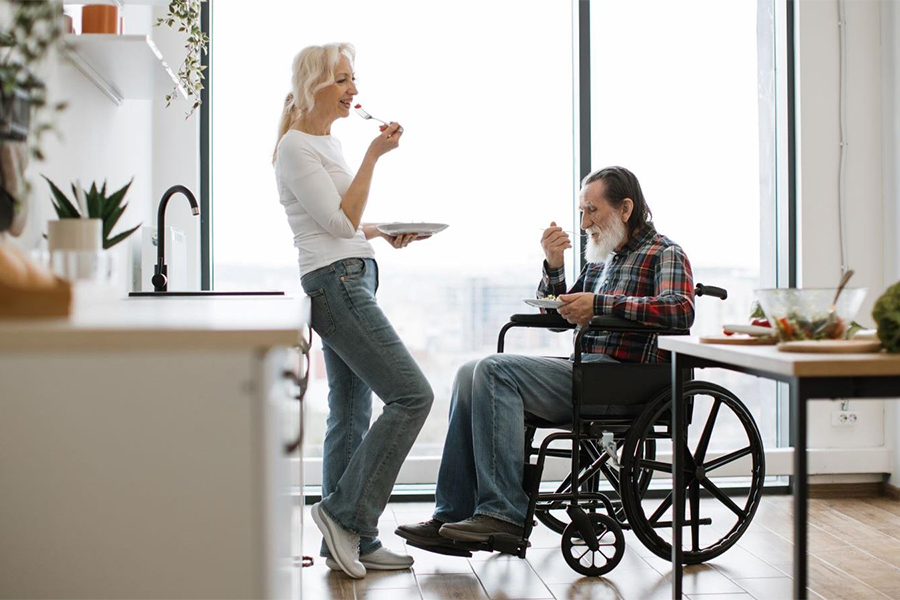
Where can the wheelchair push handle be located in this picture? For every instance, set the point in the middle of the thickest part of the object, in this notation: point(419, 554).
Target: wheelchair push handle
point(711, 290)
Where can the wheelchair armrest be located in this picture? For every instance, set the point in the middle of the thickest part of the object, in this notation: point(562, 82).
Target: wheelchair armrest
point(620, 325)
point(551, 321)
point(546, 320)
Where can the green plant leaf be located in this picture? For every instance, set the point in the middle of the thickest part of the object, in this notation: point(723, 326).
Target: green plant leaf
point(110, 221)
point(109, 243)
point(113, 201)
point(93, 203)
point(64, 208)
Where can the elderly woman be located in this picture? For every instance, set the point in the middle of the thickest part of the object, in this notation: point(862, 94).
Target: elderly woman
point(325, 201)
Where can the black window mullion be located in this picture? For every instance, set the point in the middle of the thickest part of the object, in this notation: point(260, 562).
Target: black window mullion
point(206, 267)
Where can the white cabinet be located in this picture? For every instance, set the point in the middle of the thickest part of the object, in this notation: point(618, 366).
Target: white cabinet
point(146, 473)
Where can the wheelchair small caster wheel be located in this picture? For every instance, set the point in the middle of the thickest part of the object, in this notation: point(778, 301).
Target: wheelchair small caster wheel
point(594, 563)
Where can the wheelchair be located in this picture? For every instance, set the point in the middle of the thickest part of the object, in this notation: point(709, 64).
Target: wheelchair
point(621, 419)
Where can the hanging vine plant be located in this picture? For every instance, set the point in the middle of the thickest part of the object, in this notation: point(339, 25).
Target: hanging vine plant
point(184, 16)
point(31, 34)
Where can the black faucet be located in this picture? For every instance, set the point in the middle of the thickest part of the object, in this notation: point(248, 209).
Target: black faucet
point(160, 280)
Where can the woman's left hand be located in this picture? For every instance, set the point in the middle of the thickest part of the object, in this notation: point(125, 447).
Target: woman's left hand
point(404, 240)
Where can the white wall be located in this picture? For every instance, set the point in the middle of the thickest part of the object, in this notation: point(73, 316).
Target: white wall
point(100, 140)
point(890, 114)
point(818, 144)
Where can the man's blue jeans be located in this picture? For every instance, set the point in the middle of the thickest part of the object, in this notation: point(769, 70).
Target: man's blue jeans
point(363, 354)
point(484, 453)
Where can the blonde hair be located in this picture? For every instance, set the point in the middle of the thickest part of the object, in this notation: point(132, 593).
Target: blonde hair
point(312, 69)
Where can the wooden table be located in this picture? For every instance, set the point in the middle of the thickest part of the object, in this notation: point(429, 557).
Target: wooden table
point(809, 376)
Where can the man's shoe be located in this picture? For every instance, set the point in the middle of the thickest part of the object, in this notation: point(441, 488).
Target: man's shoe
point(480, 528)
point(379, 560)
point(343, 545)
point(426, 536)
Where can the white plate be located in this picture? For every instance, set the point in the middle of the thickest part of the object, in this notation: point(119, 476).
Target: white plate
point(404, 228)
point(542, 303)
point(749, 329)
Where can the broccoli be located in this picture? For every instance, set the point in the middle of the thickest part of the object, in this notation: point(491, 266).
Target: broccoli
point(887, 317)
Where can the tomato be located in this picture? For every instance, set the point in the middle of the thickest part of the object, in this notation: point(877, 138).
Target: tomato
point(761, 323)
point(786, 327)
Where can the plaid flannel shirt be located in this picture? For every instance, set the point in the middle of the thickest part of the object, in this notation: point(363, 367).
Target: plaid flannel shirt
point(649, 281)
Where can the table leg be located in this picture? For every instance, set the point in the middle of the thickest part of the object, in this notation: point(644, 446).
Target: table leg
point(798, 427)
point(678, 443)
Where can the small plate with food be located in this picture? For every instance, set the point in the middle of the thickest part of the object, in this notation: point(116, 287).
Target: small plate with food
point(422, 229)
point(545, 302)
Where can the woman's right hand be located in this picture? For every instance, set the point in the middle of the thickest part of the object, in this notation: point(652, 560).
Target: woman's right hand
point(555, 241)
point(387, 141)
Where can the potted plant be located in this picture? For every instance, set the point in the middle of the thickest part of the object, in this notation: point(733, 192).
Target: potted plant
point(34, 30)
point(87, 223)
point(185, 16)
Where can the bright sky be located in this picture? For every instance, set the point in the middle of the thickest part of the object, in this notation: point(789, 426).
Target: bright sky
point(484, 92)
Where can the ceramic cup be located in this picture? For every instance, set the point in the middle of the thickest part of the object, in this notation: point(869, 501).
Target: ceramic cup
point(100, 18)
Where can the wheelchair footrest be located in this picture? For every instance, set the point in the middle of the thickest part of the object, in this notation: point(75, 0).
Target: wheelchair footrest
point(503, 543)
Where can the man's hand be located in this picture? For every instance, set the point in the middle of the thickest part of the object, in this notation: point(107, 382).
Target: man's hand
point(579, 308)
point(555, 241)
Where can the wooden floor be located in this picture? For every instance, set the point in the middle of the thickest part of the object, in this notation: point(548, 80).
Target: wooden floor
point(855, 547)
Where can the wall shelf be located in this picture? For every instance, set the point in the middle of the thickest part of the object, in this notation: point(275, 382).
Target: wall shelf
point(123, 67)
point(122, 3)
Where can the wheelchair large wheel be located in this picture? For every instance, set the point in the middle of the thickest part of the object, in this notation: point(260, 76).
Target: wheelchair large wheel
point(610, 547)
point(722, 442)
point(553, 514)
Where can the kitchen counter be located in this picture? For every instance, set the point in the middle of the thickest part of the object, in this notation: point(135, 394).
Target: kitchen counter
point(150, 449)
point(164, 323)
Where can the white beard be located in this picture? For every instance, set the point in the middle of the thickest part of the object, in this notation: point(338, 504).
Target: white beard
point(611, 235)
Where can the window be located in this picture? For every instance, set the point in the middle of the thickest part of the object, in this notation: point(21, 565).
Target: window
point(484, 92)
point(676, 98)
point(682, 94)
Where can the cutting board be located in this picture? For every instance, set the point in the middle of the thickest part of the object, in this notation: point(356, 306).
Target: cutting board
point(739, 340)
point(831, 346)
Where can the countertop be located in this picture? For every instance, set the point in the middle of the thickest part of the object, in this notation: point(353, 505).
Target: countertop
point(220, 323)
point(790, 364)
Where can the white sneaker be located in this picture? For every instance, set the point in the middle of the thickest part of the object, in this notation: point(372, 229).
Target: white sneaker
point(380, 560)
point(343, 545)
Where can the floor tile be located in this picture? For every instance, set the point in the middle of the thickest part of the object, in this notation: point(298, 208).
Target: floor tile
point(511, 577)
point(452, 586)
point(429, 563)
point(391, 594)
point(770, 588)
point(599, 591)
point(704, 579)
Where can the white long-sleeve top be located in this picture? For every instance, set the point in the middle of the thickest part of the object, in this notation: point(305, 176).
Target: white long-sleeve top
point(312, 178)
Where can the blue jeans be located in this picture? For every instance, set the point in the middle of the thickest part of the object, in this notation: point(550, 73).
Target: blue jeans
point(484, 453)
point(363, 354)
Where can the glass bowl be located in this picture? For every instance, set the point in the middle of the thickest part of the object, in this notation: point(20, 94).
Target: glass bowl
point(802, 314)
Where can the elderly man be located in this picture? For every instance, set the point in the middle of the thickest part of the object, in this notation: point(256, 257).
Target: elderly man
point(631, 271)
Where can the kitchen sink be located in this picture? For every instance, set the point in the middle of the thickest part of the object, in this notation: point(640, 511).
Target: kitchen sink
point(202, 293)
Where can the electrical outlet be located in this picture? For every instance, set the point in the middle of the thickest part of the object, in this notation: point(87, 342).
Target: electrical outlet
point(844, 418)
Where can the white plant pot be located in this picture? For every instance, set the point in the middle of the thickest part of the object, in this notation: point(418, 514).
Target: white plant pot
point(75, 234)
point(76, 250)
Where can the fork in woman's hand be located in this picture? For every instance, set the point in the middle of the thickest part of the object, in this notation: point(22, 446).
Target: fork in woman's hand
point(361, 112)
point(365, 115)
